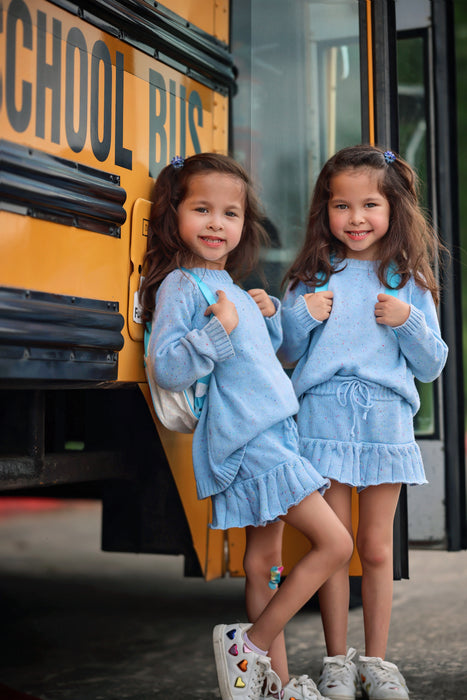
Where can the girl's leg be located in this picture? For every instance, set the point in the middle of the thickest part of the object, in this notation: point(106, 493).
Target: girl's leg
point(377, 507)
point(334, 593)
point(263, 551)
point(331, 549)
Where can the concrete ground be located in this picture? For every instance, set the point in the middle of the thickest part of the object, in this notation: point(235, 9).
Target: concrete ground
point(80, 624)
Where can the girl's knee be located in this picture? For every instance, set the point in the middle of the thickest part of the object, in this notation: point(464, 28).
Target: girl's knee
point(259, 564)
point(340, 548)
point(374, 554)
point(344, 548)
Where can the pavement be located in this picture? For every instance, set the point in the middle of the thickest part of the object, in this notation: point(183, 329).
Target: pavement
point(80, 624)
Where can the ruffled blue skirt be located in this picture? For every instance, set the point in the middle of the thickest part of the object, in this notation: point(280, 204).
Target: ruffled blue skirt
point(359, 433)
point(272, 478)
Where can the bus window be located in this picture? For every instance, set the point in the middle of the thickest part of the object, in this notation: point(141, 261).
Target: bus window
point(414, 137)
point(298, 90)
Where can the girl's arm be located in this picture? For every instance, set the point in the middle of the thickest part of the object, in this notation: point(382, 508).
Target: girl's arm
point(297, 324)
point(270, 308)
point(180, 352)
point(419, 335)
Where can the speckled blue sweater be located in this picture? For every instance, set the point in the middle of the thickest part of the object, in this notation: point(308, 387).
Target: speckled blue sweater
point(351, 343)
point(248, 391)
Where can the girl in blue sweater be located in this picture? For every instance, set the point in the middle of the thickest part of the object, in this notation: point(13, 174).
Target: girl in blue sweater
point(245, 445)
point(360, 323)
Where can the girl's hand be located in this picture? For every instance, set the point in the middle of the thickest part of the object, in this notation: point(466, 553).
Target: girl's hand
point(391, 311)
point(225, 311)
point(264, 301)
point(319, 304)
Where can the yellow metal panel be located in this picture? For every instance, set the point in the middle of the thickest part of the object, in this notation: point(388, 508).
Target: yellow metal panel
point(221, 20)
point(208, 544)
point(197, 12)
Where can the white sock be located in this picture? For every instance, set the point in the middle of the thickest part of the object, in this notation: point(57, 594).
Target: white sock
point(252, 646)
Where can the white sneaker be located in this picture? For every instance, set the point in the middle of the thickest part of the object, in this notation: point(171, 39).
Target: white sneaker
point(381, 680)
point(339, 677)
point(241, 672)
point(301, 688)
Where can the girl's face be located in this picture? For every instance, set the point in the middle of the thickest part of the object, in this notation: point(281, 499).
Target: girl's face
point(358, 213)
point(210, 218)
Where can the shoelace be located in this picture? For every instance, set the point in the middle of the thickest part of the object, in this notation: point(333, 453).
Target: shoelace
point(387, 674)
point(264, 679)
point(307, 687)
point(341, 666)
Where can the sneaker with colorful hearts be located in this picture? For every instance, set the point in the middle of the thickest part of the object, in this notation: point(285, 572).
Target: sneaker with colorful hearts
point(241, 672)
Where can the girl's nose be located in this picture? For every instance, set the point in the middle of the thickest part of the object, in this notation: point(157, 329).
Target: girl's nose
point(357, 216)
point(215, 223)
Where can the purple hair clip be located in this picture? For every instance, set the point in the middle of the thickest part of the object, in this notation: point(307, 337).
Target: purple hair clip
point(389, 157)
point(177, 162)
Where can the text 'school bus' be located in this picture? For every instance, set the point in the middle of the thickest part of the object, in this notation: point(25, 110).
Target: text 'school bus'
point(95, 98)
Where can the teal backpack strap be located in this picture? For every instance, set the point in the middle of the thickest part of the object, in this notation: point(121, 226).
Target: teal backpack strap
point(393, 279)
point(203, 287)
point(323, 288)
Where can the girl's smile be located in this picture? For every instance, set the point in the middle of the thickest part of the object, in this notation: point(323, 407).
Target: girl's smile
point(211, 217)
point(358, 213)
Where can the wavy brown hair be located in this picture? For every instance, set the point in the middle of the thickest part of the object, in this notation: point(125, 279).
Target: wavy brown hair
point(410, 246)
point(166, 251)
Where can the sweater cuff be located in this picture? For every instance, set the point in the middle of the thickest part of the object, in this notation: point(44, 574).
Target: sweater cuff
point(219, 338)
point(303, 316)
point(413, 324)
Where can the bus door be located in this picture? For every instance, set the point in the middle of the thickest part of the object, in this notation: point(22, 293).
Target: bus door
point(427, 140)
point(333, 75)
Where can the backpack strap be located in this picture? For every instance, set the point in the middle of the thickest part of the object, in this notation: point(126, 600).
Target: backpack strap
point(203, 287)
point(393, 280)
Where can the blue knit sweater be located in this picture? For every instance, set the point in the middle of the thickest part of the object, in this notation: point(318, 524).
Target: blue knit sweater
point(351, 343)
point(248, 391)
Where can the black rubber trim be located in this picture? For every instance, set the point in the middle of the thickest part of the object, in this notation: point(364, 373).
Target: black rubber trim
point(37, 184)
point(159, 32)
point(54, 337)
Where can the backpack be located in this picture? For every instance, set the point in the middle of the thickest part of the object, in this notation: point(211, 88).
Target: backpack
point(178, 410)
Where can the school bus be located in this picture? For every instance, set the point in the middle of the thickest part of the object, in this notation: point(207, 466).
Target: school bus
point(95, 98)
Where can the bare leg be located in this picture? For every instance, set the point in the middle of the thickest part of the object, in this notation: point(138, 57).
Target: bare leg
point(264, 550)
point(331, 548)
point(334, 593)
point(377, 507)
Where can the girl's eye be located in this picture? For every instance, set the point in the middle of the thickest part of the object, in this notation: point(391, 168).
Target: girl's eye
point(370, 205)
point(202, 210)
point(231, 213)
point(341, 206)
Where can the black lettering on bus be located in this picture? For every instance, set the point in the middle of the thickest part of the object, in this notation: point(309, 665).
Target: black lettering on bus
point(19, 118)
point(76, 47)
point(173, 118)
point(157, 134)
point(195, 104)
point(123, 156)
point(48, 75)
point(182, 121)
point(101, 54)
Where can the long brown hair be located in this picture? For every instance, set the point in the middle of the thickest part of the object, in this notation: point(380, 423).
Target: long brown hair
point(410, 246)
point(166, 251)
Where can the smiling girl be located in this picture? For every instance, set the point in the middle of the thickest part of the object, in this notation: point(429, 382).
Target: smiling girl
point(360, 324)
